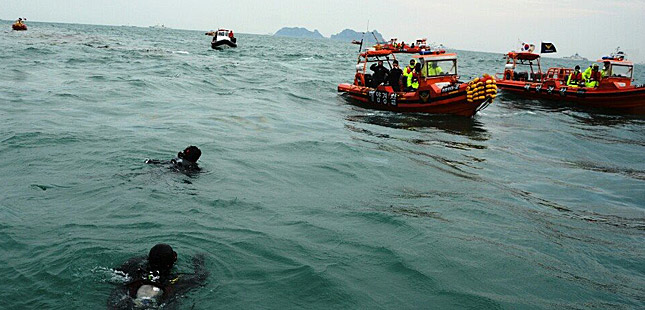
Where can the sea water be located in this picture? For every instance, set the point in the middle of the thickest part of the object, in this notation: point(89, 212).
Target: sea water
point(305, 200)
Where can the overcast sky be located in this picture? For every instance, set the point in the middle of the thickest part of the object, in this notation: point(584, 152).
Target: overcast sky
point(589, 27)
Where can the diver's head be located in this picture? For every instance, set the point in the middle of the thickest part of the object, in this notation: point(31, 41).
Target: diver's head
point(606, 64)
point(595, 67)
point(191, 154)
point(162, 257)
point(417, 67)
point(380, 62)
point(413, 62)
point(577, 68)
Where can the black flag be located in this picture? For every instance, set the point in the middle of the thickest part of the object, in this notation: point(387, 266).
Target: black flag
point(547, 48)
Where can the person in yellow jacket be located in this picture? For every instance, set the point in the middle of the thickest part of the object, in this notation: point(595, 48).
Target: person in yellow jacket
point(407, 75)
point(433, 69)
point(594, 77)
point(587, 73)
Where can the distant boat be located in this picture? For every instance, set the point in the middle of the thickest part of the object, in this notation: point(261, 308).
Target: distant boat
point(157, 26)
point(19, 25)
point(222, 38)
point(576, 57)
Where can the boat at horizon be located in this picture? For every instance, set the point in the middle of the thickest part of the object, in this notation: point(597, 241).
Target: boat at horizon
point(19, 25)
point(575, 56)
point(222, 38)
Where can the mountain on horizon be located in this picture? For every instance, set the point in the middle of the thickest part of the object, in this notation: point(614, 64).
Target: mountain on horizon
point(346, 35)
point(351, 35)
point(298, 32)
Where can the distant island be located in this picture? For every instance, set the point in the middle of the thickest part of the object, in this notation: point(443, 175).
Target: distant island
point(298, 32)
point(347, 35)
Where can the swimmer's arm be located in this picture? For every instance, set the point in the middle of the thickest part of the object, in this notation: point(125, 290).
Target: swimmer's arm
point(155, 161)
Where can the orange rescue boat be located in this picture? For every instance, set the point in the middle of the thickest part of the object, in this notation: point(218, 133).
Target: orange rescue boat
point(523, 76)
point(439, 91)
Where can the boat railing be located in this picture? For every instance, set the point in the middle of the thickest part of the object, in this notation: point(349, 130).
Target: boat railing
point(558, 74)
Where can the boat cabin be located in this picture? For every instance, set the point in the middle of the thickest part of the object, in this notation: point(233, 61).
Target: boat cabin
point(437, 64)
point(619, 68)
point(619, 73)
point(438, 70)
point(224, 33)
point(522, 66)
point(436, 67)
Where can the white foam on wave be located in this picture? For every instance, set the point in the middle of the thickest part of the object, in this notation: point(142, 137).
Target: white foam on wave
point(181, 52)
point(517, 113)
point(112, 275)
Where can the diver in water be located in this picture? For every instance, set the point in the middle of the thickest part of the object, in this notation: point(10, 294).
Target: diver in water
point(185, 160)
point(152, 282)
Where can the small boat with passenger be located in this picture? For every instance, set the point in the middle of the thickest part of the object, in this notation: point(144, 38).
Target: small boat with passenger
point(438, 91)
point(222, 38)
point(612, 89)
point(19, 25)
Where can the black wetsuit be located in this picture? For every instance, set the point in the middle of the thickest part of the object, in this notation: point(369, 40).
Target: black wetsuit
point(173, 285)
point(380, 73)
point(395, 78)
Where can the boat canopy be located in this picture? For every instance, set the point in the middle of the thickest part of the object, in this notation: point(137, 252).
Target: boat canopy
point(523, 55)
point(616, 62)
point(619, 68)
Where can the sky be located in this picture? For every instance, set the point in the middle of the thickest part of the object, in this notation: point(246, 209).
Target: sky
point(591, 28)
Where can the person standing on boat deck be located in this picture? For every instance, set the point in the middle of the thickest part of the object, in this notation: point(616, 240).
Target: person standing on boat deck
point(575, 78)
point(395, 76)
point(605, 69)
point(380, 73)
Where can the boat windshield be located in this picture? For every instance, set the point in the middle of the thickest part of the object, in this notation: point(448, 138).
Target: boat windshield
point(622, 71)
point(439, 67)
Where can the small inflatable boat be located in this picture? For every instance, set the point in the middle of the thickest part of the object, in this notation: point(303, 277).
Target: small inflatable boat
point(223, 38)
